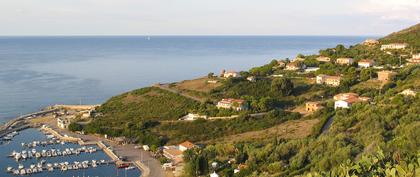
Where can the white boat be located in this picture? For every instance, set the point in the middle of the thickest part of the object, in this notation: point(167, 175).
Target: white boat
point(9, 169)
point(15, 172)
point(129, 168)
point(28, 171)
point(22, 172)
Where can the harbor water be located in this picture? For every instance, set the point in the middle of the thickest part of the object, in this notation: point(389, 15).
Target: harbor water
point(30, 135)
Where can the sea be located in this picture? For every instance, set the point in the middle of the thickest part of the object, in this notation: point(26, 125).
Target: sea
point(36, 72)
point(39, 71)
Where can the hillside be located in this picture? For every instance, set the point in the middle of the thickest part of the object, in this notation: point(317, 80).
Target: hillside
point(282, 142)
point(409, 35)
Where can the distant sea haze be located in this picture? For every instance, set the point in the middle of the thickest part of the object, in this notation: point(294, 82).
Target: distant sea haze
point(39, 71)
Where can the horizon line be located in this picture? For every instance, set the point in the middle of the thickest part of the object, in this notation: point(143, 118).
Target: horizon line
point(191, 35)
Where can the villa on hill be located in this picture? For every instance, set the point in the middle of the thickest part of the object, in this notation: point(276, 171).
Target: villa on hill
point(386, 76)
point(323, 59)
point(345, 100)
point(333, 81)
point(230, 103)
point(366, 63)
point(344, 61)
point(394, 46)
point(294, 66)
point(229, 74)
point(370, 42)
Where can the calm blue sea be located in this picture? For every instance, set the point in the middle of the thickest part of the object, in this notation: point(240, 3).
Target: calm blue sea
point(40, 71)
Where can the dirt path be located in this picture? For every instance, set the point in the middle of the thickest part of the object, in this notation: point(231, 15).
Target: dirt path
point(165, 87)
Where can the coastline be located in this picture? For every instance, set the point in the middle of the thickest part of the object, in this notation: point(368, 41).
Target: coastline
point(24, 122)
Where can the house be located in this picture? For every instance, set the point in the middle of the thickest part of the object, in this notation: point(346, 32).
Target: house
point(323, 59)
point(370, 42)
point(251, 79)
point(345, 100)
point(63, 122)
point(333, 81)
point(229, 74)
point(414, 60)
point(366, 63)
point(172, 152)
point(394, 46)
point(313, 106)
point(191, 117)
point(344, 61)
point(175, 153)
point(408, 92)
point(293, 66)
point(186, 145)
point(230, 103)
point(386, 76)
point(281, 63)
point(311, 69)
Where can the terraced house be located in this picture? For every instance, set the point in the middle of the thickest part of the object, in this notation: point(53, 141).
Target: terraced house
point(333, 81)
point(394, 46)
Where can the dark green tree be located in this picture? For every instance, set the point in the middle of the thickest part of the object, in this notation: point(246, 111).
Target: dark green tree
point(284, 86)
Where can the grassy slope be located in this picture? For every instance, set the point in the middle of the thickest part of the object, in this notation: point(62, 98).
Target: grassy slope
point(410, 35)
point(147, 103)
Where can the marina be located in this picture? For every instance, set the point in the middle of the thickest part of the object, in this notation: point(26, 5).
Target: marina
point(37, 152)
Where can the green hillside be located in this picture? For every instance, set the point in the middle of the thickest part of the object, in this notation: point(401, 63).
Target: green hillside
point(380, 138)
point(410, 35)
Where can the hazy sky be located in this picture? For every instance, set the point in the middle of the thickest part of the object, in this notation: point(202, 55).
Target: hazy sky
point(206, 17)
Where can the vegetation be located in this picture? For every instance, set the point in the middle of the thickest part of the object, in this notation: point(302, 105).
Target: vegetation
point(376, 139)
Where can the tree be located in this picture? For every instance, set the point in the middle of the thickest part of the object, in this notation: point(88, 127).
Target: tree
point(367, 74)
point(284, 86)
point(75, 127)
point(210, 75)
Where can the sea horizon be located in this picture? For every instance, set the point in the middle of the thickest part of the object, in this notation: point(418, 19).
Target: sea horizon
point(38, 71)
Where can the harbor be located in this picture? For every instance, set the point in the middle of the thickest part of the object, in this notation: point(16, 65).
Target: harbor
point(44, 152)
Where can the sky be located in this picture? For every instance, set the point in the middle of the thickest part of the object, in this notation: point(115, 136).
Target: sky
point(206, 17)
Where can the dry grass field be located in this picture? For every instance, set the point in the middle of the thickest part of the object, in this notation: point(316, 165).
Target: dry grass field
point(289, 130)
point(199, 85)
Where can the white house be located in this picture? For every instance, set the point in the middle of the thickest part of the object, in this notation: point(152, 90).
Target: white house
point(341, 104)
point(63, 122)
point(186, 145)
point(230, 103)
point(366, 63)
point(191, 117)
point(345, 100)
point(396, 46)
